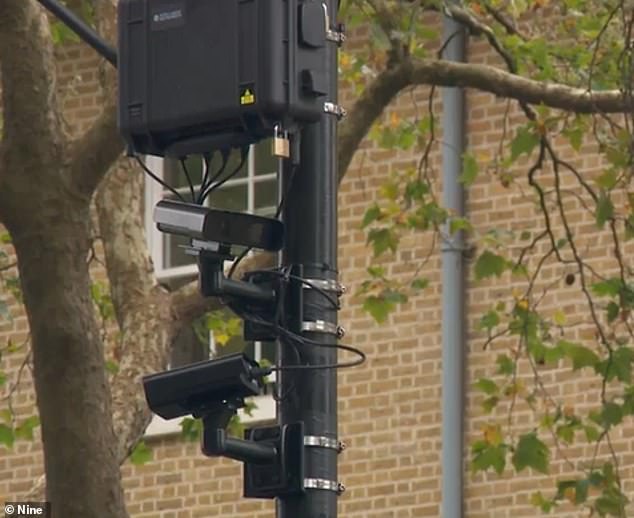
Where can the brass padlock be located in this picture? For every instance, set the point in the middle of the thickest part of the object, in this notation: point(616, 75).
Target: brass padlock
point(281, 144)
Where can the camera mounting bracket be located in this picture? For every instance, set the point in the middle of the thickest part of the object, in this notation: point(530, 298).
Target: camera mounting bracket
point(273, 456)
point(214, 283)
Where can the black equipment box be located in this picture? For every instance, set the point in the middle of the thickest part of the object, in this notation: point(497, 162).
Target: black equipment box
point(201, 75)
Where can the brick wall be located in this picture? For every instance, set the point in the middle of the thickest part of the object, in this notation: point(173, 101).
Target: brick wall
point(390, 407)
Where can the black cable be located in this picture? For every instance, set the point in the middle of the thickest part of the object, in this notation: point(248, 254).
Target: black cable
point(203, 181)
point(157, 179)
point(306, 341)
point(211, 188)
point(207, 183)
point(280, 207)
point(189, 179)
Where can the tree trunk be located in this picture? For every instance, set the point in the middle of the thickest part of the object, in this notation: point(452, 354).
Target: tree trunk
point(52, 241)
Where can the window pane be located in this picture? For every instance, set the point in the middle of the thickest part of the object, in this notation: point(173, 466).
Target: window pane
point(230, 198)
point(175, 176)
point(265, 202)
point(174, 252)
point(265, 162)
point(234, 161)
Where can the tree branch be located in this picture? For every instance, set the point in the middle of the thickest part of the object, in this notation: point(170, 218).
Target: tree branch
point(479, 28)
point(486, 78)
point(375, 97)
point(141, 306)
point(96, 150)
point(29, 100)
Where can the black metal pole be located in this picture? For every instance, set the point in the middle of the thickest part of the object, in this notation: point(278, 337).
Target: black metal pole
point(310, 396)
point(84, 31)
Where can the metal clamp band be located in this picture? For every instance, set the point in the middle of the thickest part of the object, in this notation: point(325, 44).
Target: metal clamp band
point(324, 442)
point(322, 483)
point(336, 36)
point(321, 326)
point(335, 109)
point(323, 284)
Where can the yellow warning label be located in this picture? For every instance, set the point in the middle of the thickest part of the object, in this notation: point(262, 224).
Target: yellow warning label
point(247, 97)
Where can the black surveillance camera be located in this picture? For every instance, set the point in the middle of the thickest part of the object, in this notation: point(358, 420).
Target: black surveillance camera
point(209, 388)
point(219, 226)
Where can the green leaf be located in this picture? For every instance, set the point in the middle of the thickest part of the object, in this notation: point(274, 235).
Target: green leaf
point(612, 504)
point(487, 456)
point(524, 142)
point(457, 224)
point(553, 354)
point(141, 454)
point(592, 433)
point(5, 238)
point(607, 180)
point(60, 33)
point(490, 403)
point(489, 320)
point(382, 240)
point(559, 317)
point(191, 429)
point(566, 433)
point(607, 288)
point(25, 429)
point(531, 453)
point(6, 436)
point(580, 355)
point(613, 311)
point(605, 210)
point(378, 307)
point(3, 378)
point(575, 136)
point(487, 386)
point(469, 169)
point(419, 284)
point(371, 215)
point(394, 296)
point(621, 365)
point(112, 367)
point(611, 415)
point(581, 491)
point(416, 190)
point(489, 265)
point(377, 272)
point(389, 190)
point(506, 366)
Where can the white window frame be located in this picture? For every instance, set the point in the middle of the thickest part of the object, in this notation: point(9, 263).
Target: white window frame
point(265, 406)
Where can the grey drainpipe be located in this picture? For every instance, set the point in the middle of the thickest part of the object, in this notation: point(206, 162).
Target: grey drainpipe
point(453, 286)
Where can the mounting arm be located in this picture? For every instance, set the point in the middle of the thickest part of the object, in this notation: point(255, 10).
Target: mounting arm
point(84, 31)
point(216, 443)
point(213, 282)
